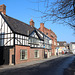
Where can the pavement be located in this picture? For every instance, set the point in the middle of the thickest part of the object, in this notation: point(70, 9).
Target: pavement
point(8, 67)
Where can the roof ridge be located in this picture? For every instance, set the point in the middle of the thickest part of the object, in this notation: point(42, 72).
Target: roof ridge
point(16, 19)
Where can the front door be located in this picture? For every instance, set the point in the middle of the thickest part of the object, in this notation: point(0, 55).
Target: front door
point(1, 56)
point(13, 59)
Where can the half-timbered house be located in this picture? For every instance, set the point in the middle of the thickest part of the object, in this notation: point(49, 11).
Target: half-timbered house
point(20, 42)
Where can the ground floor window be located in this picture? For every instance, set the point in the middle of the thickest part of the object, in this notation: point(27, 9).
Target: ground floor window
point(23, 54)
point(36, 53)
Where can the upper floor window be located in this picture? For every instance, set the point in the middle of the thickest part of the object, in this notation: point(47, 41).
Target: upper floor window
point(50, 41)
point(57, 44)
point(54, 42)
point(46, 33)
point(33, 40)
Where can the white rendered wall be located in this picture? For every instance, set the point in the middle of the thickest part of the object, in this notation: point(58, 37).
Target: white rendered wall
point(6, 39)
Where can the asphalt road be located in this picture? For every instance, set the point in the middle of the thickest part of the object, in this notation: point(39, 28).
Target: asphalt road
point(59, 68)
point(52, 67)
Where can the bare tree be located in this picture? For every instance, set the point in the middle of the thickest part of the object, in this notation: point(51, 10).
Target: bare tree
point(61, 11)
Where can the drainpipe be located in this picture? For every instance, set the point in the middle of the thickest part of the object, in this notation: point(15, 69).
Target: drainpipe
point(14, 50)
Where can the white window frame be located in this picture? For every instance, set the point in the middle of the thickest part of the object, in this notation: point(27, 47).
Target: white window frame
point(33, 40)
point(37, 54)
point(26, 57)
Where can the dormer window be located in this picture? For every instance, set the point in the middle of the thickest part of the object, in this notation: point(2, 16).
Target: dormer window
point(33, 40)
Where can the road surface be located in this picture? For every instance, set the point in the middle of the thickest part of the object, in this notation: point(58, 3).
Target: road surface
point(52, 67)
point(59, 68)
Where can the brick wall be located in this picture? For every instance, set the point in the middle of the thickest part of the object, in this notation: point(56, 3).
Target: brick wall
point(30, 53)
point(3, 9)
point(17, 54)
point(48, 52)
point(10, 56)
point(50, 34)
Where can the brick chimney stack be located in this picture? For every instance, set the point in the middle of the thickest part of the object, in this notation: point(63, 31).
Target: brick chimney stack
point(42, 27)
point(3, 9)
point(32, 23)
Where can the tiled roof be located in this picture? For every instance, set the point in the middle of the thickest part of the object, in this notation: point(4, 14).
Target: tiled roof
point(19, 27)
point(73, 42)
point(62, 43)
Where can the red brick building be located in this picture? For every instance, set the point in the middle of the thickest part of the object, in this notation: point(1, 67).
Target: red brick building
point(51, 35)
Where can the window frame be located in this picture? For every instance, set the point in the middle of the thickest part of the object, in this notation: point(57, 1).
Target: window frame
point(33, 40)
point(46, 33)
point(26, 57)
point(37, 54)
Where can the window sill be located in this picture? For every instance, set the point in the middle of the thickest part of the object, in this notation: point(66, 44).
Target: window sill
point(23, 59)
point(36, 57)
point(34, 43)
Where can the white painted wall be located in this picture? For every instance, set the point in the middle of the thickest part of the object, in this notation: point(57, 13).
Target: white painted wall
point(21, 40)
point(34, 35)
point(72, 48)
point(4, 29)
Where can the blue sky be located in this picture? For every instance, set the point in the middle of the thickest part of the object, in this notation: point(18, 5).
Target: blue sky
point(22, 10)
